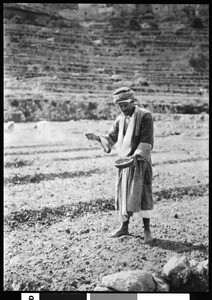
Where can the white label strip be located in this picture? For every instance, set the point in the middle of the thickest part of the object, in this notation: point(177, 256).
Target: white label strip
point(30, 296)
point(163, 296)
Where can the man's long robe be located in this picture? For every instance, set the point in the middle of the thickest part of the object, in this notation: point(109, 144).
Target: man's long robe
point(133, 184)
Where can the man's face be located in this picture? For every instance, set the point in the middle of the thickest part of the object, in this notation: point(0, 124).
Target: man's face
point(127, 108)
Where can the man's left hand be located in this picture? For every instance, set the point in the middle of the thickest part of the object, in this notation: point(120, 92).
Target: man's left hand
point(135, 157)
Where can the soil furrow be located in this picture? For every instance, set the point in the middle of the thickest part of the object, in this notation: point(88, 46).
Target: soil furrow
point(49, 151)
point(169, 162)
point(18, 163)
point(179, 192)
point(35, 146)
point(20, 179)
point(36, 178)
point(50, 215)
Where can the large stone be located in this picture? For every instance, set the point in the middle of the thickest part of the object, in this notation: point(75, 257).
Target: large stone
point(16, 116)
point(116, 77)
point(145, 26)
point(193, 263)
point(100, 288)
point(202, 267)
point(177, 271)
point(134, 281)
point(97, 42)
point(161, 284)
point(15, 260)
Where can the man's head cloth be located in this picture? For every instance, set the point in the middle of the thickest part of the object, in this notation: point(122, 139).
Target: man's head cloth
point(123, 94)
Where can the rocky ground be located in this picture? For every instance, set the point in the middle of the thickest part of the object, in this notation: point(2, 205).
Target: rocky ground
point(59, 204)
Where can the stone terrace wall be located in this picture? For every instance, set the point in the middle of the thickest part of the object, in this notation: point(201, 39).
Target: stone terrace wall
point(164, 62)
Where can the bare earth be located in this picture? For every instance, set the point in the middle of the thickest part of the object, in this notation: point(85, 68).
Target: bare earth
point(59, 204)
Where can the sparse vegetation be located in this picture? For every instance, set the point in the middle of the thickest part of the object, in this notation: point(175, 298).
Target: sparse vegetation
point(197, 23)
point(194, 58)
point(126, 21)
point(198, 59)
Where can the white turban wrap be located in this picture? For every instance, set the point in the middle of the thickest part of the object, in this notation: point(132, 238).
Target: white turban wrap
point(123, 94)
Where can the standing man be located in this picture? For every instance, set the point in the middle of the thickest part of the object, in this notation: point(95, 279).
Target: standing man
point(132, 132)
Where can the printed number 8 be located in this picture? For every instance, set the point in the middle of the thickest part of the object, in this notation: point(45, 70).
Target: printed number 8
point(31, 298)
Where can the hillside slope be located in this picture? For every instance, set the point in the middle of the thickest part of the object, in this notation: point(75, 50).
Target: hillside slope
point(61, 69)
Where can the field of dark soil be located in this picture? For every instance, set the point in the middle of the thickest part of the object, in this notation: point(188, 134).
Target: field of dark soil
point(59, 204)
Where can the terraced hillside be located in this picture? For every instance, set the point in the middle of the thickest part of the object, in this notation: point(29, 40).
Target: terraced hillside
point(74, 64)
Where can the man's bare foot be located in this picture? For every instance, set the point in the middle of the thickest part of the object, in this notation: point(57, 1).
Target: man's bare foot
point(121, 231)
point(147, 237)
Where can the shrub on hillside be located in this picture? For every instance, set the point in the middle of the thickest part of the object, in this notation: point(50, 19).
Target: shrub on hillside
point(193, 59)
point(60, 23)
point(197, 23)
point(198, 59)
point(126, 20)
point(131, 43)
point(36, 110)
point(16, 20)
point(14, 103)
point(154, 24)
point(134, 23)
point(42, 21)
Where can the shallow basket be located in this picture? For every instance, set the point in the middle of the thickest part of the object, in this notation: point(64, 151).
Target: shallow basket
point(122, 163)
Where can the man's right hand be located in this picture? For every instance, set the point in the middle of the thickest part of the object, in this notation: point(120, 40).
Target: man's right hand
point(92, 136)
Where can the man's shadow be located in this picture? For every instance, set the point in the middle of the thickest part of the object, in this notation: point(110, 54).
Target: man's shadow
point(174, 246)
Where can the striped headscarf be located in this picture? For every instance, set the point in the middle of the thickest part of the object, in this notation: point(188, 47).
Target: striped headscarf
point(123, 94)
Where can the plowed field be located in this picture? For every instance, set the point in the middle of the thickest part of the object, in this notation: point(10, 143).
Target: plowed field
point(59, 204)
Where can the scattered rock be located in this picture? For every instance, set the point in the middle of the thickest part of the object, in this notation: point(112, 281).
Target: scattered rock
point(47, 278)
point(142, 81)
point(202, 91)
point(177, 271)
point(51, 39)
point(161, 284)
point(137, 280)
point(35, 178)
point(193, 263)
point(85, 231)
point(116, 77)
point(15, 260)
point(25, 207)
point(179, 28)
point(175, 132)
point(9, 127)
point(100, 70)
point(17, 285)
point(145, 26)
point(97, 42)
point(16, 116)
point(74, 283)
